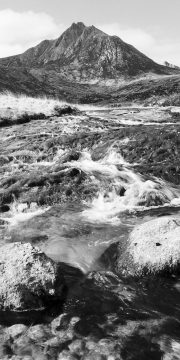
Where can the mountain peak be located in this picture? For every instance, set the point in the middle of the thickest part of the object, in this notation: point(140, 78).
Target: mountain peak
point(86, 54)
point(80, 27)
point(77, 26)
point(70, 35)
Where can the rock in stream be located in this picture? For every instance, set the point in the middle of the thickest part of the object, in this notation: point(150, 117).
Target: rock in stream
point(28, 278)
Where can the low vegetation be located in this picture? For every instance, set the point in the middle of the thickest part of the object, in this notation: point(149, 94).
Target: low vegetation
point(19, 109)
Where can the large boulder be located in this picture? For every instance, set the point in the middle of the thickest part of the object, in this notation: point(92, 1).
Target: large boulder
point(152, 248)
point(28, 278)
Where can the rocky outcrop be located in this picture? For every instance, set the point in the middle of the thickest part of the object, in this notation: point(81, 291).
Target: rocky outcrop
point(28, 278)
point(152, 248)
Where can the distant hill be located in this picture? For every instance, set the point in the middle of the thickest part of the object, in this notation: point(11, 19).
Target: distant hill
point(80, 62)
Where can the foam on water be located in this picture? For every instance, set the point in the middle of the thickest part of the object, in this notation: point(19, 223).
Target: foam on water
point(105, 166)
point(138, 196)
point(128, 191)
point(21, 212)
point(175, 201)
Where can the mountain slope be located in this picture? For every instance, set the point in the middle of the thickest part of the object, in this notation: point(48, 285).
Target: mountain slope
point(69, 66)
point(87, 54)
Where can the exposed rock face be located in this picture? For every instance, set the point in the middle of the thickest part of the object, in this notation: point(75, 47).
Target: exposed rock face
point(153, 247)
point(28, 278)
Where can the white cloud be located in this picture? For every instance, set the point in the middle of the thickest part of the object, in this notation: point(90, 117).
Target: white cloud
point(19, 31)
point(159, 50)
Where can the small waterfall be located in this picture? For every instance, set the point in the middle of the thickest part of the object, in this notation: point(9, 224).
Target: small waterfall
point(121, 189)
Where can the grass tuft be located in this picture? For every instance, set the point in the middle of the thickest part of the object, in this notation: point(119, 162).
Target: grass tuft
point(20, 109)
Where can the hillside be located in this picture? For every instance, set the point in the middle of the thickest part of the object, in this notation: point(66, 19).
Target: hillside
point(163, 91)
point(83, 63)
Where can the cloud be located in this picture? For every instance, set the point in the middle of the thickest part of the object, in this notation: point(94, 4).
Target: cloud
point(159, 49)
point(21, 30)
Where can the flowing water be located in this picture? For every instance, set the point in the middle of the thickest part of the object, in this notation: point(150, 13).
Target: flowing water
point(79, 233)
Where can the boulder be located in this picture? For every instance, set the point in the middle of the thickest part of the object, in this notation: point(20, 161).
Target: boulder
point(152, 248)
point(66, 110)
point(16, 330)
point(39, 333)
point(28, 278)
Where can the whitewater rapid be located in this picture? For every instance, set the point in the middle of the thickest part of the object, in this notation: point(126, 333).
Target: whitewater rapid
point(121, 189)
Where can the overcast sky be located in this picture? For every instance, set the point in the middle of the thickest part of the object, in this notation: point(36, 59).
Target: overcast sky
point(153, 26)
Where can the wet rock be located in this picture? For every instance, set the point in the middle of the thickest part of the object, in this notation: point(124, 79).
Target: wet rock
point(4, 208)
point(54, 342)
point(54, 346)
point(66, 110)
point(152, 248)
point(22, 345)
point(28, 278)
point(103, 349)
point(71, 156)
point(64, 326)
point(16, 330)
point(36, 348)
point(39, 333)
point(2, 222)
point(109, 257)
point(94, 355)
point(77, 347)
point(26, 357)
point(3, 160)
point(5, 348)
point(122, 191)
point(66, 355)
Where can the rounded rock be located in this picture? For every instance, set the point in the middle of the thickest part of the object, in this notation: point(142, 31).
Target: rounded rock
point(39, 333)
point(152, 248)
point(66, 355)
point(16, 330)
point(28, 278)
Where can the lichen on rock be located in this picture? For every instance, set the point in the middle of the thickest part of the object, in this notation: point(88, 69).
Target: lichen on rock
point(28, 278)
point(152, 248)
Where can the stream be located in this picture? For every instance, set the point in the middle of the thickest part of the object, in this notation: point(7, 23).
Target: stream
point(79, 233)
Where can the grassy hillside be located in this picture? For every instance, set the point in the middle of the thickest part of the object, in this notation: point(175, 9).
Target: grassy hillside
point(162, 91)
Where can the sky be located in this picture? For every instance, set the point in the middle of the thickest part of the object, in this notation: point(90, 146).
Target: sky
point(153, 26)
